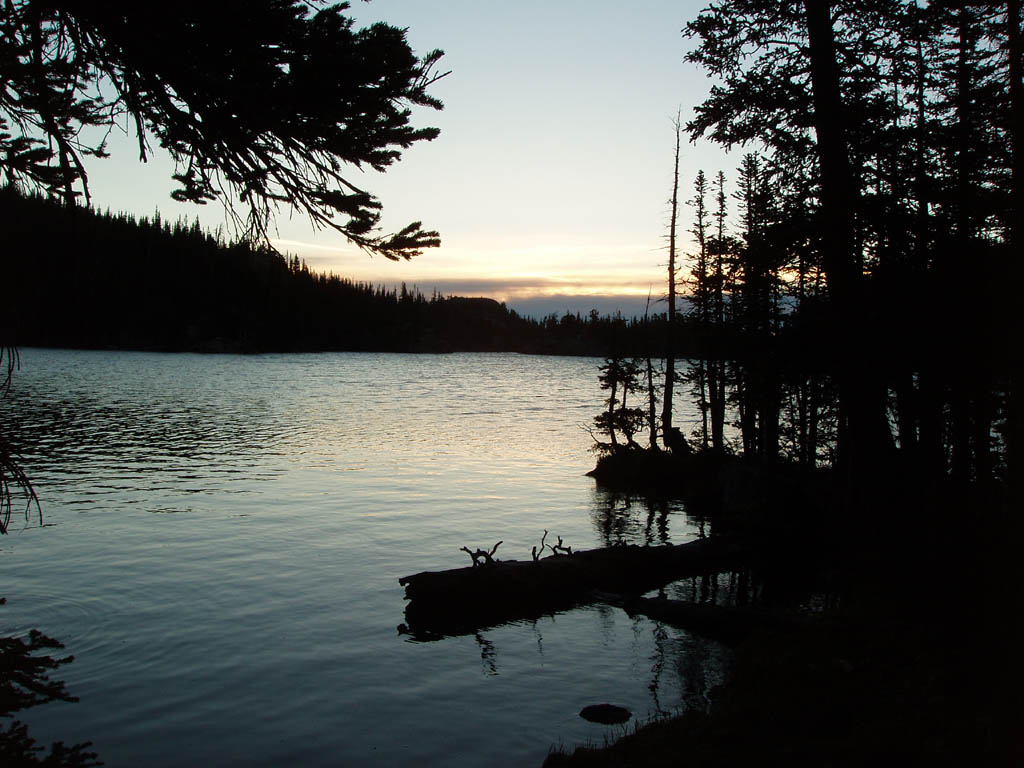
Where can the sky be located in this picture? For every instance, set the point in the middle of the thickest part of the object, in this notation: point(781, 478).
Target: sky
point(550, 180)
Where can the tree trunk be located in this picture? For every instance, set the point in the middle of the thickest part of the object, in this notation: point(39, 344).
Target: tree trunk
point(611, 414)
point(702, 384)
point(981, 425)
point(651, 403)
point(906, 413)
point(718, 304)
point(768, 419)
point(960, 433)
point(714, 431)
point(1014, 417)
point(812, 422)
point(718, 408)
point(798, 414)
point(865, 439)
point(748, 412)
point(670, 360)
point(930, 420)
point(964, 231)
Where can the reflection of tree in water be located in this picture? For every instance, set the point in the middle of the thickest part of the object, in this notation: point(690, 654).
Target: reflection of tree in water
point(660, 636)
point(25, 683)
point(695, 664)
point(685, 668)
point(623, 518)
point(731, 588)
point(791, 588)
point(488, 655)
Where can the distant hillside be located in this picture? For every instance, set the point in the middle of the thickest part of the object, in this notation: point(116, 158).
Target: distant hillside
point(629, 307)
point(78, 278)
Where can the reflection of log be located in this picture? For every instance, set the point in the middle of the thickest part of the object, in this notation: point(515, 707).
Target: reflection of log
point(727, 624)
point(465, 599)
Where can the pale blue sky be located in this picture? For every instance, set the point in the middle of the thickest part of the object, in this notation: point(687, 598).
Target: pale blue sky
point(553, 168)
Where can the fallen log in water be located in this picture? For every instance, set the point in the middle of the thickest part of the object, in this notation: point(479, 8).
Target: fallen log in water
point(462, 600)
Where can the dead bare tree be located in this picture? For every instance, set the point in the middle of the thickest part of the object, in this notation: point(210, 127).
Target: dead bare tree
point(670, 360)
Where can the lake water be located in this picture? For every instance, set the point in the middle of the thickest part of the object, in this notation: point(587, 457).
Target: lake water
point(223, 537)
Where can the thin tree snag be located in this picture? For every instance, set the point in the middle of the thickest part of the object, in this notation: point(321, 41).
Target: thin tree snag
point(556, 549)
point(667, 434)
point(463, 600)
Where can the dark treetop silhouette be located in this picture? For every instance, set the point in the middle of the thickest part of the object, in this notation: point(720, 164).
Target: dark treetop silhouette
point(885, 204)
point(260, 104)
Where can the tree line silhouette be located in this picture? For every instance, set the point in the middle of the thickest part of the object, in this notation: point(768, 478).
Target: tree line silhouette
point(854, 300)
point(78, 278)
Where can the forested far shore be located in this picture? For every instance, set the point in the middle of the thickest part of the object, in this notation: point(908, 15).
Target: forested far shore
point(78, 278)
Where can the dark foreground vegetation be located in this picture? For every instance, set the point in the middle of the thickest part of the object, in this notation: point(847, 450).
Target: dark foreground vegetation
point(910, 655)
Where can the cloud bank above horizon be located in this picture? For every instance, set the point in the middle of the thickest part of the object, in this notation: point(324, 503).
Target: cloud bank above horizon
point(507, 275)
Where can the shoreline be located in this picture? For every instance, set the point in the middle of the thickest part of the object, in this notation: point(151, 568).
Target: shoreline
point(919, 663)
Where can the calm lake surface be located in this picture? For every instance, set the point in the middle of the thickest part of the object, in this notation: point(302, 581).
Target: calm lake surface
point(223, 537)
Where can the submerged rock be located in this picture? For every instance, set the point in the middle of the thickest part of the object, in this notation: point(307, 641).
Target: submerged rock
point(607, 714)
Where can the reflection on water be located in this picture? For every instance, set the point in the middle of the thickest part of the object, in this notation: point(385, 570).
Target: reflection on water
point(688, 664)
point(625, 518)
point(226, 534)
point(27, 665)
point(488, 655)
point(731, 588)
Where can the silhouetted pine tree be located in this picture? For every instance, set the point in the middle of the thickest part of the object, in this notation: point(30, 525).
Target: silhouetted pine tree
point(907, 115)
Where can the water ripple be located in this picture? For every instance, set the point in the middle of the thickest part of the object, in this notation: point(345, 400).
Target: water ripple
point(228, 531)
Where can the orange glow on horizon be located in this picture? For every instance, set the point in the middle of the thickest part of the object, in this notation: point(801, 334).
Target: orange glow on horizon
point(504, 274)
